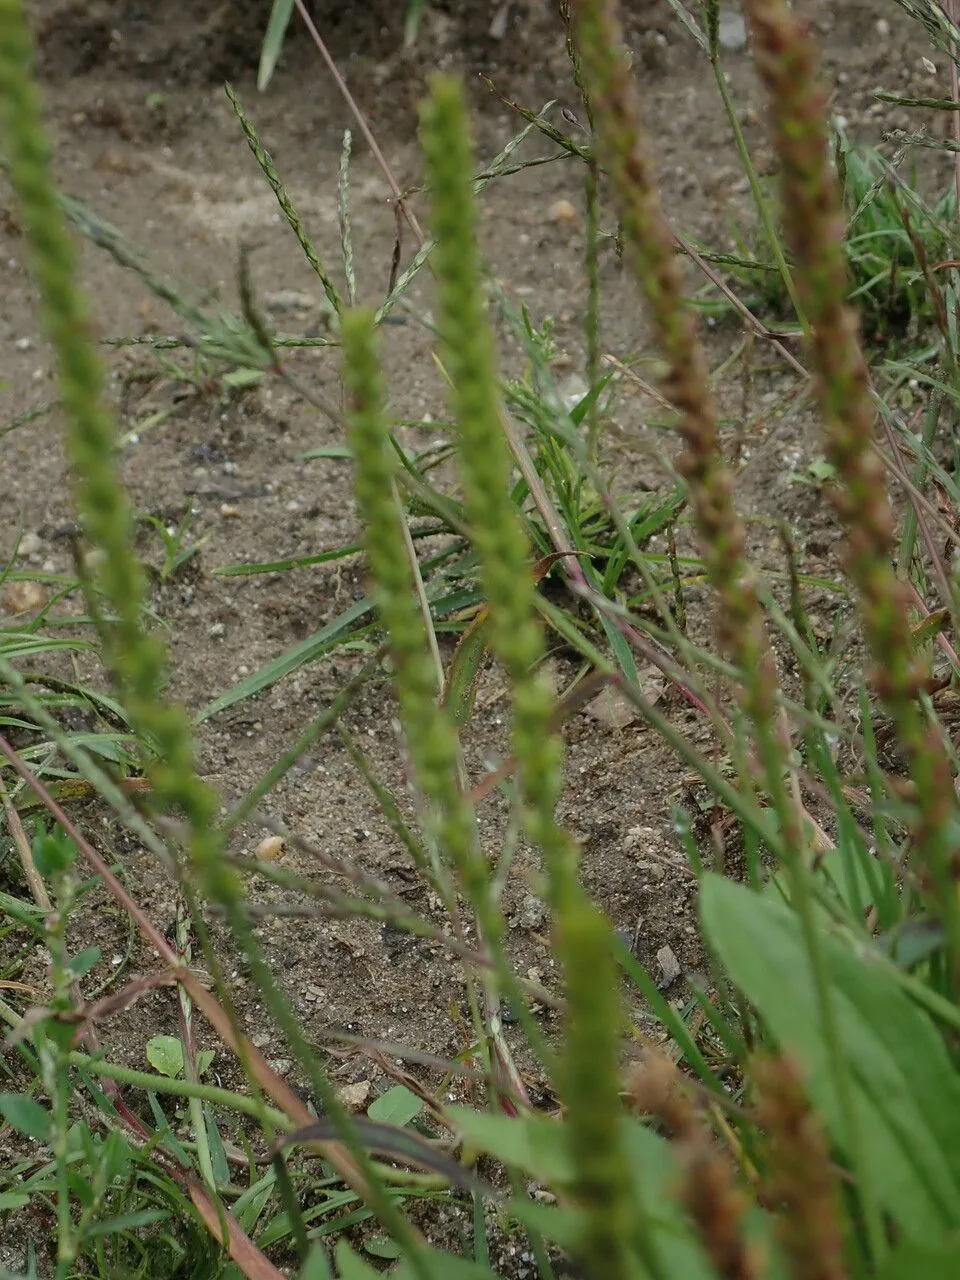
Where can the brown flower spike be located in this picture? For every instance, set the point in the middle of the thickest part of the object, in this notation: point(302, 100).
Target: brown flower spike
point(813, 217)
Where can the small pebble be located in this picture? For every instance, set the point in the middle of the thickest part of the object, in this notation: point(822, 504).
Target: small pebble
point(23, 597)
point(572, 391)
point(270, 848)
point(30, 544)
point(354, 1096)
point(669, 967)
point(531, 914)
point(562, 211)
point(732, 31)
point(218, 629)
point(611, 709)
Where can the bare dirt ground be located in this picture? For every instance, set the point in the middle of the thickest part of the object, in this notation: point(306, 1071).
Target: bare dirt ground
point(146, 138)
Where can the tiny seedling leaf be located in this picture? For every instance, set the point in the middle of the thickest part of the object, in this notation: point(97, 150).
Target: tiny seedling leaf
point(25, 1115)
point(84, 961)
point(382, 1247)
point(53, 854)
point(165, 1055)
point(397, 1106)
point(204, 1061)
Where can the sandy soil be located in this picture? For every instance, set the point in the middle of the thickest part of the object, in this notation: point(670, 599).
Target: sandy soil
point(146, 138)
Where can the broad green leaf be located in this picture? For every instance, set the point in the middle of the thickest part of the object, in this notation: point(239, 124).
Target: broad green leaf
point(350, 1266)
point(656, 1174)
point(564, 1226)
point(532, 1143)
point(204, 1061)
point(317, 1266)
point(25, 1115)
point(382, 1247)
point(905, 1090)
point(913, 1261)
point(79, 1187)
point(165, 1055)
point(115, 1156)
point(671, 1233)
point(397, 1106)
point(13, 1200)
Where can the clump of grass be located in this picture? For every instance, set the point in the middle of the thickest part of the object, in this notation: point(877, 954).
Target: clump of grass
point(892, 238)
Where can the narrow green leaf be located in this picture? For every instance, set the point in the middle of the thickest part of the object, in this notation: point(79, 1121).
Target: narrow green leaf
point(282, 566)
point(126, 1222)
point(463, 675)
point(300, 655)
point(166, 1134)
point(218, 1155)
point(272, 46)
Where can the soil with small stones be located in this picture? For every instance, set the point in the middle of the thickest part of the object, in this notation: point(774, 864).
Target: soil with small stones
point(146, 139)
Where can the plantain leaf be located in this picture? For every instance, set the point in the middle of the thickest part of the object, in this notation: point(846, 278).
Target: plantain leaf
point(906, 1094)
